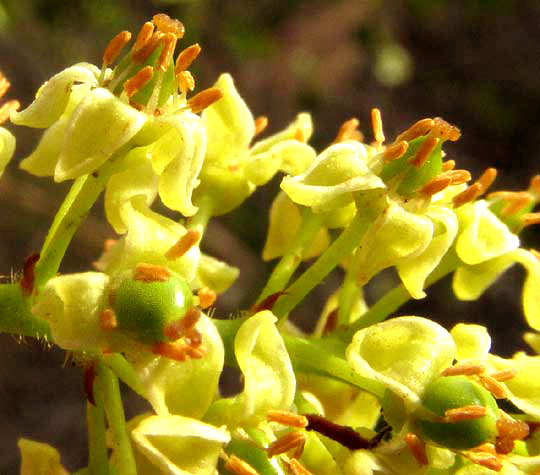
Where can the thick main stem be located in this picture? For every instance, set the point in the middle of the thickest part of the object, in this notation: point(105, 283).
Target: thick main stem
point(309, 227)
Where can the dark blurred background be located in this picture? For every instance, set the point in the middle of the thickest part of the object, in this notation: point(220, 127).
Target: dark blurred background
point(474, 63)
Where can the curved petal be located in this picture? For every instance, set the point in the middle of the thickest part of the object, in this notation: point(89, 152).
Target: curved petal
point(398, 236)
point(178, 445)
point(39, 459)
point(403, 353)
point(99, 125)
point(7, 147)
point(53, 97)
point(333, 177)
point(269, 381)
point(215, 274)
point(179, 178)
point(483, 235)
point(414, 272)
point(136, 178)
point(229, 124)
point(472, 341)
point(72, 304)
point(184, 388)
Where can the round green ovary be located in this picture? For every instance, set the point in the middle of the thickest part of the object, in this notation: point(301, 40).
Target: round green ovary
point(453, 392)
point(143, 309)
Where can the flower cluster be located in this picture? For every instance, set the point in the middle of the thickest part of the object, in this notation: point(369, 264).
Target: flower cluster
point(362, 393)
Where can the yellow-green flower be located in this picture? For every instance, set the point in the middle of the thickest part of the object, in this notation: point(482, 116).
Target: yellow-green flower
point(7, 141)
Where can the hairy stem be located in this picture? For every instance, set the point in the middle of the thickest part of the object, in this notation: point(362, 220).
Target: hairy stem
point(98, 460)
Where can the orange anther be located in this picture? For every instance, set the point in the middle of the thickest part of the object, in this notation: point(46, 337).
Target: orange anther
point(459, 176)
point(299, 135)
point(4, 84)
point(184, 244)
point(108, 320)
point(261, 123)
point(376, 122)
point(395, 151)
point(534, 184)
point(137, 82)
point(239, 466)
point(191, 318)
point(422, 127)
point(448, 165)
point(349, 131)
point(486, 179)
point(151, 273)
point(509, 430)
point(204, 99)
point(166, 24)
point(178, 351)
point(438, 183)
point(519, 203)
point(169, 44)
point(115, 46)
point(467, 195)
point(296, 468)
point(417, 448)
point(7, 108)
point(493, 386)
point(287, 418)
point(186, 57)
point(207, 297)
point(485, 460)
point(463, 370)
point(142, 54)
point(289, 441)
point(426, 148)
point(185, 81)
point(145, 33)
point(445, 130)
point(465, 413)
point(530, 218)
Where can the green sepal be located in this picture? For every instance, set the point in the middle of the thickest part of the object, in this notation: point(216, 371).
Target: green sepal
point(253, 455)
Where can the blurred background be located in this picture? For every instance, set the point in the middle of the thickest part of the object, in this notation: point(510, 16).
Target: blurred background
point(474, 63)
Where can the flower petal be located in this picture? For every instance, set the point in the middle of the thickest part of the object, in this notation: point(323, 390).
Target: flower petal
point(7, 147)
point(53, 97)
point(472, 341)
point(99, 125)
point(180, 446)
point(403, 353)
point(39, 459)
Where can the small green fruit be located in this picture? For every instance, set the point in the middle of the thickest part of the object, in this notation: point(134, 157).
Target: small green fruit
point(143, 309)
point(453, 392)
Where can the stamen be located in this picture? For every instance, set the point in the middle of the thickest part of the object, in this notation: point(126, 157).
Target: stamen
point(4, 84)
point(169, 44)
point(193, 337)
point(518, 204)
point(141, 55)
point(349, 131)
point(287, 418)
point(207, 297)
point(288, 442)
point(166, 24)
point(493, 386)
point(376, 122)
point(137, 82)
point(7, 108)
point(185, 81)
point(486, 179)
point(204, 99)
point(184, 244)
point(463, 370)
point(296, 468)
point(425, 151)
point(459, 176)
point(485, 460)
point(108, 320)
point(417, 448)
point(191, 318)
point(186, 57)
point(438, 183)
point(534, 185)
point(530, 218)
point(448, 165)
point(299, 135)
point(395, 151)
point(145, 33)
point(261, 123)
point(151, 273)
point(115, 46)
point(465, 413)
point(175, 330)
point(239, 466)
point(422, 127)
point(178, 351)
point(487, 448)
point(509, 430)
point(467, 195)
point(445, 130)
